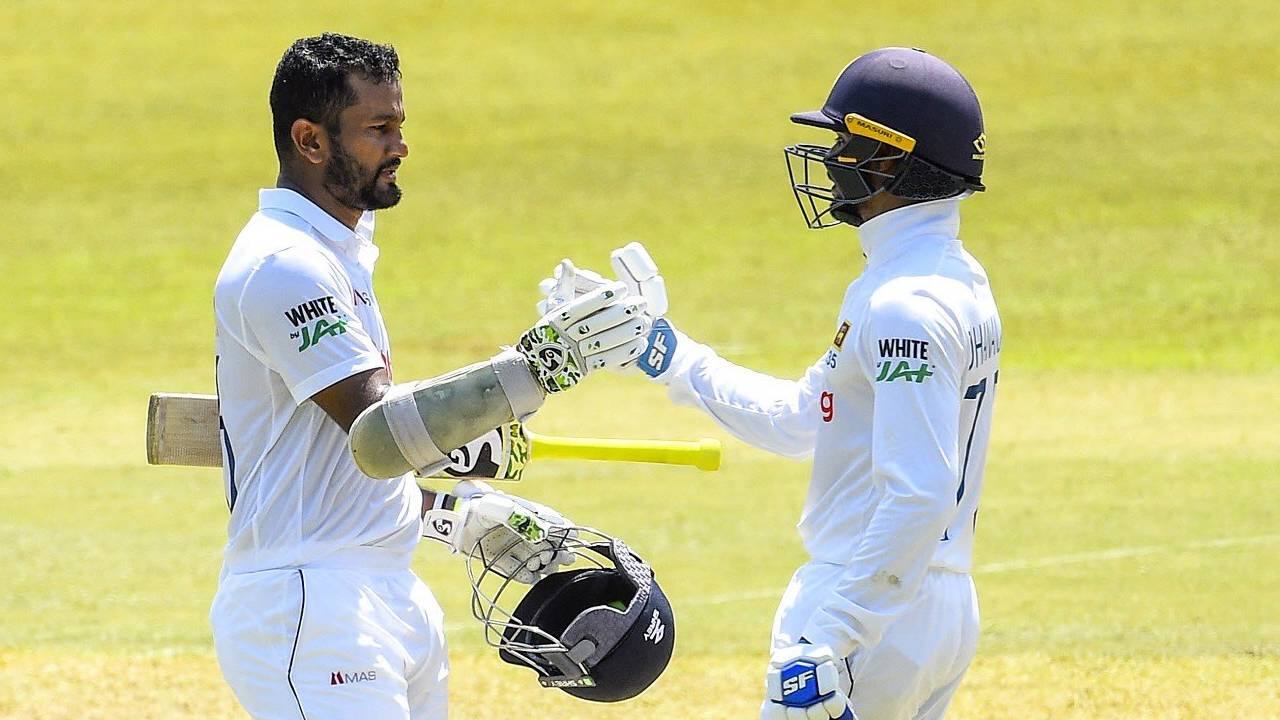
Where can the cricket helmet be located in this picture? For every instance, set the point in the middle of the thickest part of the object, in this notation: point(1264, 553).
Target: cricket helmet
point(602, 630)
point(896, 104)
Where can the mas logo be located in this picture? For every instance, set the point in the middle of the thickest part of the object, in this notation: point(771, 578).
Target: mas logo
point(346, 678)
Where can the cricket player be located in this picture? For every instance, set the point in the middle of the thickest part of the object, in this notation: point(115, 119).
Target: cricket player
point(317, 614)
point(882, 622)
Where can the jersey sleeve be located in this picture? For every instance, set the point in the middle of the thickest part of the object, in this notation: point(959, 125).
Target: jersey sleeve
point(910, 350)
point(297, 309)
point(770, 413)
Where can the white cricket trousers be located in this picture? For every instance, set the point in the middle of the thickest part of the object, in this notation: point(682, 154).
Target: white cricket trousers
point(332, 644)
point(915, 670)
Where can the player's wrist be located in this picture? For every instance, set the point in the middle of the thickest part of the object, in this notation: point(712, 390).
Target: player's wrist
point(660, 351)
point(841, 643)
point(428, 500)
point(441, 519)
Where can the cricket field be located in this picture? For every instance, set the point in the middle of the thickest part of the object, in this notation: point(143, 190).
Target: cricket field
point(1130, 526)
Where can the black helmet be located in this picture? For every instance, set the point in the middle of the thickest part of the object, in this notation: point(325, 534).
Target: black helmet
point(897, 104)
point(602, 632)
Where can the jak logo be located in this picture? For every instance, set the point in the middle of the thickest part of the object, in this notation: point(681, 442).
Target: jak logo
point(902, 370)
point(312, 335)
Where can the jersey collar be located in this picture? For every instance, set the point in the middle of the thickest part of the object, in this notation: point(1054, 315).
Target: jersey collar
point(356, 243)
point(883, 236)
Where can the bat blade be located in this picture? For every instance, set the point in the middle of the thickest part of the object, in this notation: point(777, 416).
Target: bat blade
point(182, 429)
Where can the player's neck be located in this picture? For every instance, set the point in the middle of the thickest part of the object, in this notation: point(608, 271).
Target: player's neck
point(321, 198)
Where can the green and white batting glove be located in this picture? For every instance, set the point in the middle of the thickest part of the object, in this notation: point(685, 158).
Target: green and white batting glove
point(518, 538)
point(636, 269)
point(604, 328)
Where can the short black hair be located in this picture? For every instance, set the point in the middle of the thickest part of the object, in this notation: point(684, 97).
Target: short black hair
point(311, 81)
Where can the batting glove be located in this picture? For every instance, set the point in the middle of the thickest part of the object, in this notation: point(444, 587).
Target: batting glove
point(634, 268)
point(807, 682)
point(518, 538)
point(605, 328)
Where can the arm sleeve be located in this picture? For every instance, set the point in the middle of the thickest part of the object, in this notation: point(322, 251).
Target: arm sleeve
point(297, 308)
point(915, 450)
point(770, 413)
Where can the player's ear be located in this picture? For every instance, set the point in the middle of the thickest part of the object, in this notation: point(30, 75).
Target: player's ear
point(310, 140)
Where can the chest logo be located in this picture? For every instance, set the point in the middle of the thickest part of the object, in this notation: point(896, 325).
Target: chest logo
point(908, 348)
point(311, 335)
point(321, 310)
point(840, 335)
point(310, 310)
point(903, 370)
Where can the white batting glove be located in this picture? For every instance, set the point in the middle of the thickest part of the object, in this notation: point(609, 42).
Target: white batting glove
point(567, 282)
point(632, 265)
point(605, 328)
point(807, 682)
point(518, 538)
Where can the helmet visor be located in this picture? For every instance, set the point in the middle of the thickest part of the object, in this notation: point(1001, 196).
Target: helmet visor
point(829, 181)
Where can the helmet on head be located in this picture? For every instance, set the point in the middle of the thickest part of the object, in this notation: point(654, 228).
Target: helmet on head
point(898, 104)
point(601, 631)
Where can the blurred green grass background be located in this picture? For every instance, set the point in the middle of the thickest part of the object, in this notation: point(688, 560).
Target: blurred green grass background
point(1129, 525)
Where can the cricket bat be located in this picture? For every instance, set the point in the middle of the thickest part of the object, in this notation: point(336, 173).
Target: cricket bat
point(183, 429)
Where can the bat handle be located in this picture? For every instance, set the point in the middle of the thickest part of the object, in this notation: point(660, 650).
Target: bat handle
point(703, 454)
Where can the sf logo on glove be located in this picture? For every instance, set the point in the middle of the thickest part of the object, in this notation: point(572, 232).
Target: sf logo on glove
point(799, 684)
point(804, 683)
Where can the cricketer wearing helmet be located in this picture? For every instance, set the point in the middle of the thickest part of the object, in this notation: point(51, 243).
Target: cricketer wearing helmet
point(882, 622)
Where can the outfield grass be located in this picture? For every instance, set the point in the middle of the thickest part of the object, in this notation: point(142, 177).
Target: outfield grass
point(1129, 528)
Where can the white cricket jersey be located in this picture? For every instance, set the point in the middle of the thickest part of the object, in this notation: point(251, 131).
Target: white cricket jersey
point(295, 313)
point(897, 415)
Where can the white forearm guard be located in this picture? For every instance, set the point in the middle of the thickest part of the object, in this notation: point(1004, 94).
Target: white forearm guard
point(416, 424)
